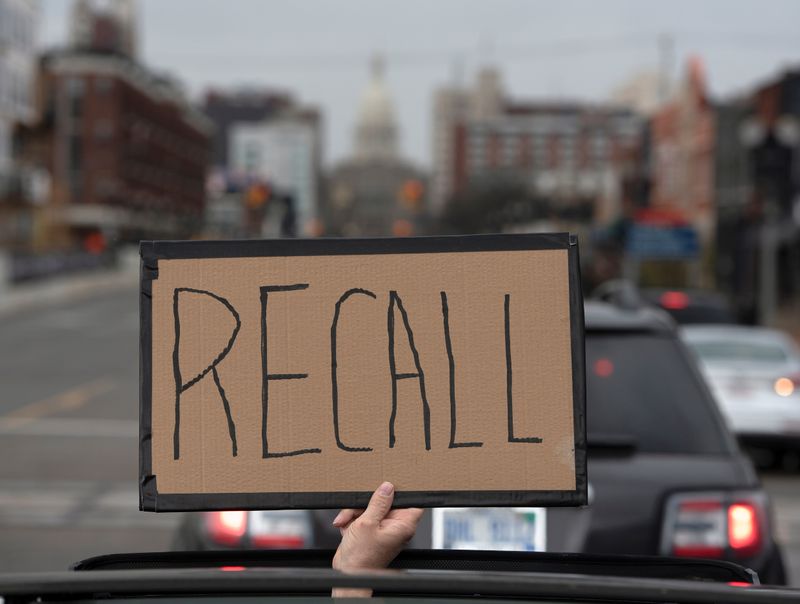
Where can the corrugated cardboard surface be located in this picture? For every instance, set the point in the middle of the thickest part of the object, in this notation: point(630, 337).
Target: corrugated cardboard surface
point(299, 341)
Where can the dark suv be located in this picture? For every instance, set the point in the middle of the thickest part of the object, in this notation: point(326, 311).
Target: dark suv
point(666, 477)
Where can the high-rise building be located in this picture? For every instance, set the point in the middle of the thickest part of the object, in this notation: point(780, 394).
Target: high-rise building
point(450, 107)
point(453, 105)
point(266, 139)
point(228, 108)
point(18, 22)
point(566, 153)
point(569, 154)
point(285, 153)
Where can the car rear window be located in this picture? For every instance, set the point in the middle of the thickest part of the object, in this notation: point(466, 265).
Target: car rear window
point(737, 350)
point(640, 388)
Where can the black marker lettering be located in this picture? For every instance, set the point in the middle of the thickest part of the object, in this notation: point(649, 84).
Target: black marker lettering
point(509, 402)
point(181, 387)
point(452, 364)
point(266, 377)
point(394, 299)
point(334, 365)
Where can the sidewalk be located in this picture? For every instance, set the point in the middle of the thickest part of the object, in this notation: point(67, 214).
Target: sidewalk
point(59, 290)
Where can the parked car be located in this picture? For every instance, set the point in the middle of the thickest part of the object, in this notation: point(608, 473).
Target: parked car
point(754, 374)
point(692, 306)
point(685, 306)
point(666, 476)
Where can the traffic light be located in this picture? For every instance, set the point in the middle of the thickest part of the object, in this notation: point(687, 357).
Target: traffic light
point(257, 195)
point(411, 194)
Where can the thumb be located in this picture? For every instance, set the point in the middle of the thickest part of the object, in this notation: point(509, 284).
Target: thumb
point(379, 504)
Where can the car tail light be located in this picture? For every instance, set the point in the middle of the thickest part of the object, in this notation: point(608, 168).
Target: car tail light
point(226, 528)
point(714, 525)
point(744, 534)
point(672, 300)
point(279, 541)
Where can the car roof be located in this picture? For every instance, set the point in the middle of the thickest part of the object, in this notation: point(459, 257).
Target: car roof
point(603, 316)
point(736, 332)
point(696, 296)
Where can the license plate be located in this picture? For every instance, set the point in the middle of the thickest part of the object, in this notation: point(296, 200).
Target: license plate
point(508, 529)
point(286, 525)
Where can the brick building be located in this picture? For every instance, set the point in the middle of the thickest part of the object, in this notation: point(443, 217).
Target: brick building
point(683, 155)
point(564, 152)
point(126, 153)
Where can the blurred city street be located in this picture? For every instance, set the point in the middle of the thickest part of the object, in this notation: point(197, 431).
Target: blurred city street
point(68, 426)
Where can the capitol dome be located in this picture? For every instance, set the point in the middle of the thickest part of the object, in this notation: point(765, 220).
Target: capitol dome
point(376, 132)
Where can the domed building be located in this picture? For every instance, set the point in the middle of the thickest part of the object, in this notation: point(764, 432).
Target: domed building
point(376, 132)
point(375, 192)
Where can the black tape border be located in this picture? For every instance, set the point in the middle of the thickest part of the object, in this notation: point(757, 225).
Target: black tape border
point(153, 251)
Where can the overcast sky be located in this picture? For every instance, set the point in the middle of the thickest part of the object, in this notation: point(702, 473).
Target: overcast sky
point(320, 49)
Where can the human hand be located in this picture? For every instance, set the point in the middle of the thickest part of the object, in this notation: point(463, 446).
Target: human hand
point(373, 537)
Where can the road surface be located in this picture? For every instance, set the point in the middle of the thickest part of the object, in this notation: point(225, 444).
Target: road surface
point(68, 434)
point(68, 438)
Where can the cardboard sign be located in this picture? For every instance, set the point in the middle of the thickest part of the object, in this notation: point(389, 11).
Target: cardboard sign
point(303, 373)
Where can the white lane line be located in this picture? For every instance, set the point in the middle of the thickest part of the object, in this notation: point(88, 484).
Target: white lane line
point(71, 427)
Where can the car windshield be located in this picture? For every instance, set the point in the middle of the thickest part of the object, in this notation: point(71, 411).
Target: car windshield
point(738, 350)
point(639, 388)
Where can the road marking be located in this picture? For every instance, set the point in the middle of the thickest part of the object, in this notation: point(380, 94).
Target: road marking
point(68, 400)
point(71, 427)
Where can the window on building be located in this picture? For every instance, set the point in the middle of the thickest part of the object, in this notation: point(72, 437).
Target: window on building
point(568, 151)
point(103, 85)
point(510, 149)
point(585, 157)
point(75, 89)
point(540, 151)
point(600, 147)
point(103, 129)
point(524, 150)
point(252, 157)
point(493, 149)
point(75, 164)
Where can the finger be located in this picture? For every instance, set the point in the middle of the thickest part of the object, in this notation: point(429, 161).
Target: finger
point(345, 517)
point(379, 504)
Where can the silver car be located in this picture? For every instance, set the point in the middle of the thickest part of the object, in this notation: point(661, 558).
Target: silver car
point(754, 374)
